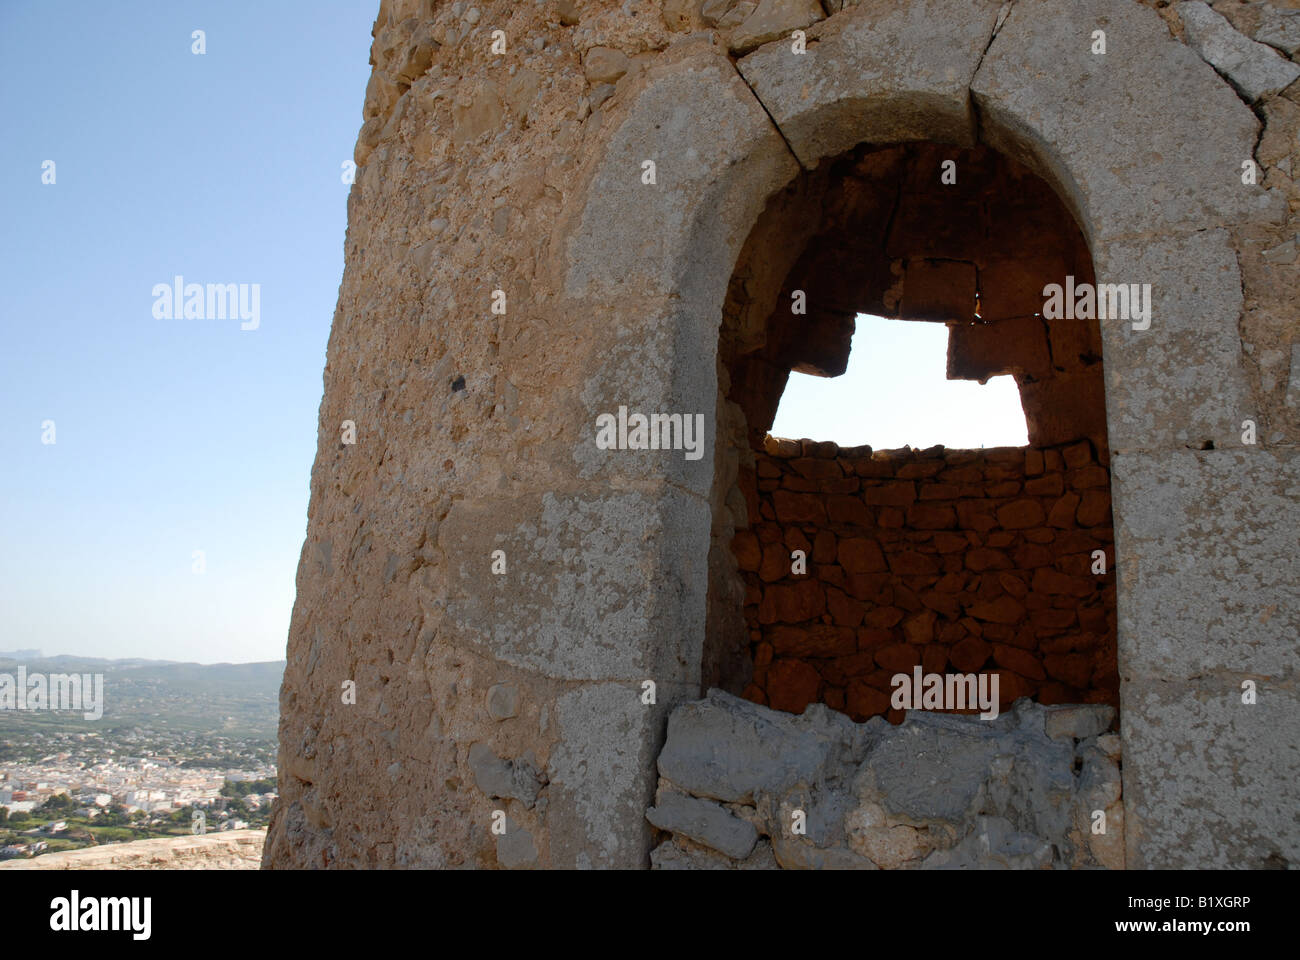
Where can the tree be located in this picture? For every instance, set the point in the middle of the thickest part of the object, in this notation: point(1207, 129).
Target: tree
point(114, 815)
point(57, 803)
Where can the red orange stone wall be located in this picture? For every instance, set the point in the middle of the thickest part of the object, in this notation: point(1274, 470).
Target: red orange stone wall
point(957, 560)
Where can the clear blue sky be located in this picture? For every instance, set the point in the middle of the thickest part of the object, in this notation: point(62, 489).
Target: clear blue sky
point(171, 435)
point(181, 435)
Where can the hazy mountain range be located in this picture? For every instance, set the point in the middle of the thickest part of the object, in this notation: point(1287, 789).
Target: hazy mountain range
point(231, 698)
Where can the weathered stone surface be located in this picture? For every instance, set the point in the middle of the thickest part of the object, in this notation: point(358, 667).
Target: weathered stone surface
point(941, 291)
point(1293, 382)
point(939, 791)
point(1209, 575)
point(726, 129)
point(1253, 68)
point(503, 701)
point(721, 748)
point(1279, 28)
point(605, 64)
point(1038, 80)
point(1227, 768)
point(994, 844)
point(885, 73)
point(515, 847)
point(477, 430)
point(1158, 379)
point(704, 822)
point(1078, 721)
point(504, 778)
point(562, 616)
point(773, 20)
point(679, 854)
point(604, 761)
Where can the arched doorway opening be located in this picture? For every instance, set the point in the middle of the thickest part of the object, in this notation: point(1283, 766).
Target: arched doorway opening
point(833, 570)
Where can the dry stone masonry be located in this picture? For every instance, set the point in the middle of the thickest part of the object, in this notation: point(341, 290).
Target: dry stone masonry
point(504, 629)
point(955, 561)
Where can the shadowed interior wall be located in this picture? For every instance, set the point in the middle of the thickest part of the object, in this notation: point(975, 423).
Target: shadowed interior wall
point(958, 561)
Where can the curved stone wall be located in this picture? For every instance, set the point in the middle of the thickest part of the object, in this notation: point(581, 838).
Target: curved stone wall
point(515, 270)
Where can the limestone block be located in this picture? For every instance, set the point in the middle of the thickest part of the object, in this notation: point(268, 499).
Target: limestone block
point(704, 822)
point(1047, 100)
point(1279, 28)
point(573, 604)
point(994, 844)
point(939, 791)
point(1180, 383)
point(727, 748)
point(503, 701)
point(726, 14)
point(716, 160)
point(504, 778)
point(1253, 68)
point(886, 73)
point(642, 375)
point(935, 766)
point(774, 20)
point(1208, 572)
point(675, 854)
point(601, 768)
point(1065, 407)
point(887, 845)
point(799, 853)
point(1210, 782)
point(1078, 721)
point(605, 64)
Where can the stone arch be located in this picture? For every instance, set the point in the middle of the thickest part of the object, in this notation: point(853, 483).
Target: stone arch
point(1154, 184)
point(880, 231)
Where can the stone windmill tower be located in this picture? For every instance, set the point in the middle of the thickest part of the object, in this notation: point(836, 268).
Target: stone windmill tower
point(588, 242)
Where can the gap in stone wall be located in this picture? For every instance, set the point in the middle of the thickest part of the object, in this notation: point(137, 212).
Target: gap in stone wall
point(895, 392)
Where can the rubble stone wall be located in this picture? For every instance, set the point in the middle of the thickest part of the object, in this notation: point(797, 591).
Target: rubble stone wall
point(743, 787)
point(957, 561)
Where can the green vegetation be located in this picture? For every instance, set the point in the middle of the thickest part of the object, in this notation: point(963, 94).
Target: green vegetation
point(242, 788)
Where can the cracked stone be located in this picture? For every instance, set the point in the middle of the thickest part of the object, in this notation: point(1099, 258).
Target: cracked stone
point(704, 822)
point(1256, 70)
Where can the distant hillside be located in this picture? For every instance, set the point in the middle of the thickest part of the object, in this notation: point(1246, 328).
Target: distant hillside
point(238, 699)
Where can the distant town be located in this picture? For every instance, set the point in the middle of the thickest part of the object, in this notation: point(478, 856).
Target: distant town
point(181, 749)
